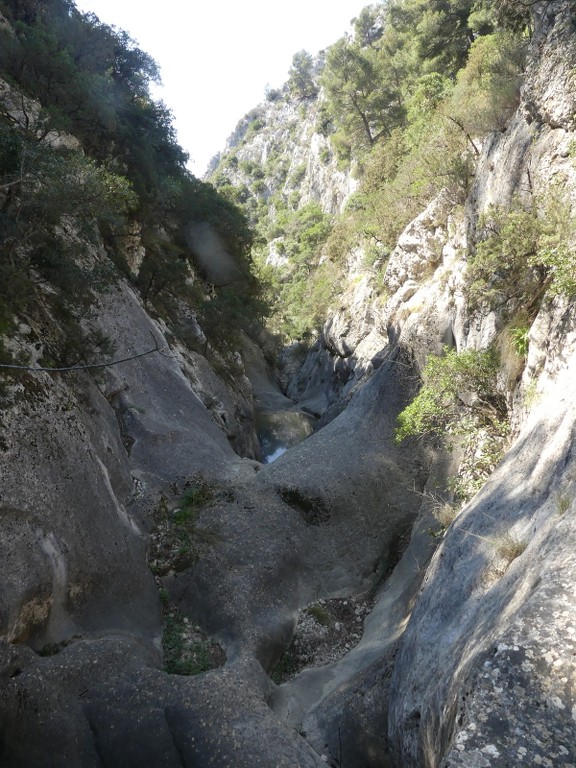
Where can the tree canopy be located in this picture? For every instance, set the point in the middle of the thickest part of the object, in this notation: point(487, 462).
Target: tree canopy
point(73, 74)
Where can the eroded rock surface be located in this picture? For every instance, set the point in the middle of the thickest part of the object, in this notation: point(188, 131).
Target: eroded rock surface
point(323, 519)
point(499, 623)
point(467, 662)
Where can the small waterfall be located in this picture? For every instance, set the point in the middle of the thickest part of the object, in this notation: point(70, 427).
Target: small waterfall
point(60, 625)
point(280, 430)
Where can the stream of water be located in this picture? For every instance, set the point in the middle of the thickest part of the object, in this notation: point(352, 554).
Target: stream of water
point(280, 430)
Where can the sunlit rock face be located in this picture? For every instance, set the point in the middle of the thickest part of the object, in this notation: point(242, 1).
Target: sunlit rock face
point(291, 153)
point(496, 613)
point(485, 668)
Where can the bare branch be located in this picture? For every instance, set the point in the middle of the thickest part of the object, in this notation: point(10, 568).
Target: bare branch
point(459, 124)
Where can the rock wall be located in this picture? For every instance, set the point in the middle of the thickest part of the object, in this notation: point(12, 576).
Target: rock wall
point(290, 150)
point(84, 461)
point(484, 672)
point(467, 654)
point(485, 669)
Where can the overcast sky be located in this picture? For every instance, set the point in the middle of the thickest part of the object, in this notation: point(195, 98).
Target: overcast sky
point(217, 56)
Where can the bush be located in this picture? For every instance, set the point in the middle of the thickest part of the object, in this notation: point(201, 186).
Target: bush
point(454, 386)
point(187, 651)
point(300, 296)
point(487, 89)
point(527, 252)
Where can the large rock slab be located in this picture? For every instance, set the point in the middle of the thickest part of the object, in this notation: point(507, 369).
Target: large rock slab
point(324, 520)
point(170, 432)
point(73, 557)
point(486, 668)
point(101, 704)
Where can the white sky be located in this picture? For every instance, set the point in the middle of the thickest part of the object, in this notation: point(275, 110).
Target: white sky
point(217, 56)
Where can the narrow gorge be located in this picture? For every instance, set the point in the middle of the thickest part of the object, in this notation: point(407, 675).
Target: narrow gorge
point(286, 455)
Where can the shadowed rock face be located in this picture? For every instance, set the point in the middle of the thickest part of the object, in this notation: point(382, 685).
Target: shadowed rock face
point(171, 432)
point(322, 520)
point(101, 703)
point(84, 469)
point(73, 558)
point(81, 481)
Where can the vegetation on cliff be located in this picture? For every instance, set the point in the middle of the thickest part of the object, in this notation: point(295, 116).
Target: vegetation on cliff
point(406, 103)
point(86, 154)
point(403, 103)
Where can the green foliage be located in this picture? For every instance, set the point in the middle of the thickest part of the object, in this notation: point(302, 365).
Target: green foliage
point(298, 175)
point(52, 201)
point(487, 89)
point(164, 270)
point(563, 502)
point(519, 336)
point(273, 94)
point(453, 386)
point(435, 148)
point(515, 15)
point(406, 99)
point(364, 113)
point(286, 667)
point(526, 252)
point(178, 539)
point(403, 76)
point(94, 82)
point(186, 651)
point(368, 26)
point(166, 274)
point(321, 614)
point(197, 494)
point(374, 80)
point(499, 269)
point(301, 82)
point(429, 91)
point(301, 292)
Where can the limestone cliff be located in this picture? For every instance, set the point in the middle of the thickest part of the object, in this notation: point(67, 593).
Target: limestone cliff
point(445, 649)
point(498, 631)
point(282, 148)
point(483, 673)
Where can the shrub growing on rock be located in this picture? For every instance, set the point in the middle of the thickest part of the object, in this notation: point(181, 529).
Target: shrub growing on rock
point(454, 387)
point(527, 251)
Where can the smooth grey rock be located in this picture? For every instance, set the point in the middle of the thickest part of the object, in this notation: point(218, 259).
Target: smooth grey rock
point(171, 433)
point(322, 520)
point(484, 674)
point(485, 664)
point(101, 704)
point(73, 557)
